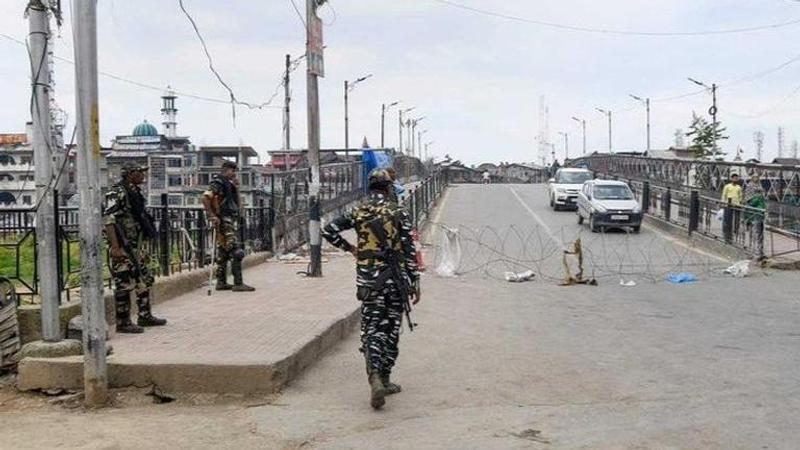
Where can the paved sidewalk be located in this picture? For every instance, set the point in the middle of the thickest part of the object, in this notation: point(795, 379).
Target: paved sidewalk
point(229, 342)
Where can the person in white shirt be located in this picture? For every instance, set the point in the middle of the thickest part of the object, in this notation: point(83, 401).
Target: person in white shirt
point(486, 177)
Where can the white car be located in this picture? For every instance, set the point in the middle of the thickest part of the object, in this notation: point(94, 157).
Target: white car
point(609, 204)
point(563, 189)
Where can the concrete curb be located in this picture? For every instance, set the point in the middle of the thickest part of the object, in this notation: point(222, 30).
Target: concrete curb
point(698, 240)
point(267, 378)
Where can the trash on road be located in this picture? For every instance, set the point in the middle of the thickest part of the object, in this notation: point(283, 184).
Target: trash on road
point(519, 277)
point(740, 269)
point(681, 278)
point(629, 283)
point(449, 252)
point(288, 257)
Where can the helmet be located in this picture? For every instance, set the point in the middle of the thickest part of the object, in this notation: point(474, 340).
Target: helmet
point(131, 167)
point(379, 179)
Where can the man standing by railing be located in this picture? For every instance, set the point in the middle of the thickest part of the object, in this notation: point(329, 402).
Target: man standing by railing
point(223, 205)
point(732, 198)
point(755, 199)
point(128, 226)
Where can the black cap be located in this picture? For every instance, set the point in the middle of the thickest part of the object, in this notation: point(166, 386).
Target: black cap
point(230, 165)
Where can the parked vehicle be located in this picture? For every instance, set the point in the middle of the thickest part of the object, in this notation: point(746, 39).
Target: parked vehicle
point(563, 189)
point(608, 204)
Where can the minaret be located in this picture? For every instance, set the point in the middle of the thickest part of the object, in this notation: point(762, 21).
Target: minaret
point(168, 113)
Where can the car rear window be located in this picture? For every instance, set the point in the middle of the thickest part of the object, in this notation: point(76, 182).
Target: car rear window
point(573, 177)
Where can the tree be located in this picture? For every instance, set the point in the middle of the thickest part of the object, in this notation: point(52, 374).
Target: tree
point(704, 135)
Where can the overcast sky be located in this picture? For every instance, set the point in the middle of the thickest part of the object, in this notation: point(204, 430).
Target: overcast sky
point(477, 79)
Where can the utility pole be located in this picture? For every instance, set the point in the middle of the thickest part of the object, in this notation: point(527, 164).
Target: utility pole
point(385, 108)
point(401, 112)
point(646, 102)
point(419, 143)
point(583, 127)
point(566, 145)
point(43, 152)
point(84, 16)
point(712, 111)
point(287, 99)
point(348, 86)
point(315, 69)
point(610, 142)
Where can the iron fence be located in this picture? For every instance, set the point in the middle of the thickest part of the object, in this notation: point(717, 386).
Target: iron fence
point(183, 237)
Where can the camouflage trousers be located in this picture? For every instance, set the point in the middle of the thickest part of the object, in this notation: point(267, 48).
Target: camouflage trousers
point(229, 248)
point(381, 321)
point(129, 277)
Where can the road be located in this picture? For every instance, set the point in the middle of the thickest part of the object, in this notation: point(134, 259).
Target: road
point(494, 364)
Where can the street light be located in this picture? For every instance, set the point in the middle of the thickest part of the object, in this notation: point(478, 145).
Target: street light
point(384, 108)
point(402, 124)
point(348, 86)
point(646, 102)
point(419, 142)
point(713, 110)
point(412, 129)
point(608, 113)
point(583, 125)
point(428, 144)
point(566, 145)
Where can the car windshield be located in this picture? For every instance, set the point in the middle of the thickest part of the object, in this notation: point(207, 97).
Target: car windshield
point(573, 177)
point(613, 193)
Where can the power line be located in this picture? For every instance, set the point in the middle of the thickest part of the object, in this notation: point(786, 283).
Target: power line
point(299, 14)
point(578, 28)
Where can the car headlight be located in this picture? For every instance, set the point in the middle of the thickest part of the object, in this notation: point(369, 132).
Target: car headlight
point(599, 209)
point(561, 190)
point(637, 210)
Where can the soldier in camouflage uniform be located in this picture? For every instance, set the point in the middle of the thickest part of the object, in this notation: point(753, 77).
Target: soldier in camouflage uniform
point(222, 204)
point(384, 293)
point(128, 227)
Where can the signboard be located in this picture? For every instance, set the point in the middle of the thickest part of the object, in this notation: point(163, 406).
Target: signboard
point(13, 138)
point(316, 59)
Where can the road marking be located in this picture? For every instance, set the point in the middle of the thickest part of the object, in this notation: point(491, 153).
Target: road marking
point(680, 242)
point(536, 217)
point(434, 225)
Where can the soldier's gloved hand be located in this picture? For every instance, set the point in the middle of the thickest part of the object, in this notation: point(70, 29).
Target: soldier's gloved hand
point(117, 254)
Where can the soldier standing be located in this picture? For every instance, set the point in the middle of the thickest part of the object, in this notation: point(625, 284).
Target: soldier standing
point(386, 276)
point(128, 227)
point(223, 205)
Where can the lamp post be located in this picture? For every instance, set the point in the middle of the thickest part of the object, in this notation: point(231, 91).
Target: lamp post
point(384, 108)
point(402, 124)
point(348, 87)
point(712, 111)
point(413, 130)
point(583, 126)
point(428, 144)
point(608, 113)
point(566, 145)
point(419, 142)
point(646, 102)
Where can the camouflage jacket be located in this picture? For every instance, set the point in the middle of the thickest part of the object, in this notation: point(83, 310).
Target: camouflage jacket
point(119, 209)
point(396, 224)
point(225, 195)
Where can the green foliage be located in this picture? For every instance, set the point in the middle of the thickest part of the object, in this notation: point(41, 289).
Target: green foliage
point(704, 134)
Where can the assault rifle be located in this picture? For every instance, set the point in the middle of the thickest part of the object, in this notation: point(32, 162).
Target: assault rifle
point(392, 259)
point(130, 251)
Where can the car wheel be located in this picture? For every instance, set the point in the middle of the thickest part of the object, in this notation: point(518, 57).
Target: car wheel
point(552, 202)
point(637, 229)
point(580, 218)
point(593, 225)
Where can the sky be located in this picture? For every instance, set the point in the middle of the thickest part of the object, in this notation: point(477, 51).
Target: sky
point(477, 79)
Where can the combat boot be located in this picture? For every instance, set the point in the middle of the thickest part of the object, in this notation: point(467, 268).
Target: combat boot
point(222, 278)
point(146, 317)
point(377, 391)
point(389, 387)
point(122, 304)
point(238, 282)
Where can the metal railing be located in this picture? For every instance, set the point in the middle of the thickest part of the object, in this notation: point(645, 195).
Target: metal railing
point(183, 240)
point(423, 196)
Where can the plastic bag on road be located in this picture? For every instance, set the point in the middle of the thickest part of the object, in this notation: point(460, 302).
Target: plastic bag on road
point(519, 277)
point(681, 278)
point(629, 283)
point(739, 270)
point(449, 253)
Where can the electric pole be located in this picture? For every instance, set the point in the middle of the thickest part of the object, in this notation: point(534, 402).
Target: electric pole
point(84, 28)
point(287, 99)
point(348, 86)
point(385, 108)
point(566, 145)
point(583, 127)
point(401, 112)
point(43, 152)
point(646, 102)
point(712, 111)
point(315, 69)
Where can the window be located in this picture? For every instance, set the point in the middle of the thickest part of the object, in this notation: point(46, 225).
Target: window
point(204, 179)
point(191, 200)
point(6, 177)
point(245, 179)
point(25, 160)
point(564, 177)
point(27, 200)
point(155, 200)
point(175, 180)
point(613, 192)
point(175, 200)
point(175, 163)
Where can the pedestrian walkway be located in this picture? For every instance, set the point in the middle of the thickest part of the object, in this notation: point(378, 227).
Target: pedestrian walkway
point(229, 342)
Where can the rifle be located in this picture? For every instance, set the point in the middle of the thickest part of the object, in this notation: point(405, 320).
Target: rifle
point(130, 251)
point(392, 260)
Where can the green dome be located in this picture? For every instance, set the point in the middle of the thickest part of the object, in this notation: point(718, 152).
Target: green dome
point(145, 129)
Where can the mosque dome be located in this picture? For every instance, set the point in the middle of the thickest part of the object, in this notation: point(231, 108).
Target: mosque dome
point(145, 129)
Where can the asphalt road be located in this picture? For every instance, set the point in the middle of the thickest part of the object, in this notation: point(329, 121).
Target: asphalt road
point(498, 365)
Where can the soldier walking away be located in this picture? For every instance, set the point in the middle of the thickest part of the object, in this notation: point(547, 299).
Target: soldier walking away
point(223, 205)
point(128, 227)
point(386, 276)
